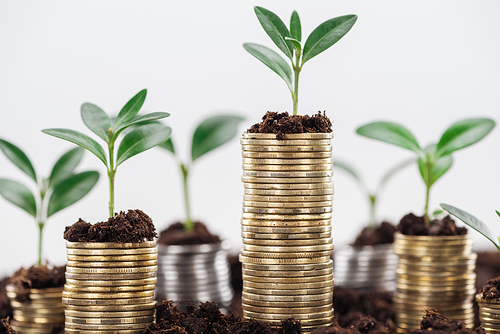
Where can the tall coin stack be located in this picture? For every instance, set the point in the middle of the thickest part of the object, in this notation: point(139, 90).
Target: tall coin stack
point(286, 228)
point(434, 272)
point(489, 313)
point(43, 310)
point(109, 287)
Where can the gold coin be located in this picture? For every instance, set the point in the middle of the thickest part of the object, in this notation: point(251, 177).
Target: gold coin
point(288, 211)
point(286, 180)
point(297, 316)
point(109, 295)
point(422, 252)
point(11, 288)
point(292, 292)
point(290, 168)
point(286, 155)
point(282, 230)
point(309, 255)
point(295, 142)
point(287, 299)
point(415, 278)
point(284, 223)
point(131, 270)
point(311, 216)
point(271, 274)
point(287, 175)
point(52, 303)
point(40, 320)
point(292, 192)
point(287, 148)
point(289, 186)
point(115, 283)
point(80, 314)
point(287, 205)
point(288, 286)
point(33, 297)
point(86, 277)
point(306, 242)
point(283, 261)
point(111, 321)
point(256, 161)
point(305, 323)
point(107, 245)
point(85, 331)
point(288, 280)
point(431, 240)
point(286, 249)
point(113, 327)
point(108, 289)
point(286, 236)
point(312, 303)
point(287, 310)
point(103, 252)
point(113, 258)
point(40, 312)
point(433, 288)
point(289, 136)
point(98, 302)
point(289, 267)
point(287, 199)
point(79, 264)
point(112, 308)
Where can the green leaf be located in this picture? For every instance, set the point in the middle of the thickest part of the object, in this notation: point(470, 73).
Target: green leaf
point(393, 171)
point(14, 154)
point(139, 119)
point(65, 165)
point(327, 34)
point(391, 133)
point(272, 60)
point(168, 145)
point(498, 213)
point(212, 133)
point(464, 133)
point(471, 221)
point(441, 166)
point(71, 190)
point(437, 212)
point(295, 27)
point(141, 139)
point(96, 120)
point(296, 44)
point(275, 29)
point(131, 108)
point(79, 139)
point(18, 194)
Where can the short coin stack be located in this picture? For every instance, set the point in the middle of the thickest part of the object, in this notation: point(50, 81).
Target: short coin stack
point(489, 314)
point(110, 287)
point(43, 310)
point(286, 228)
point(434, 272)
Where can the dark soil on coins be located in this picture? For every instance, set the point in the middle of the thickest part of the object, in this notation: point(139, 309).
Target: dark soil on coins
point(175, 234)
point(415, 225)
point(381, 234)
point(134, 226)
point(283, 123)
point(5, 309)
point(491, 290)
point(37, 278)
point(5, 327)
point(436, 323)
point(487, 266)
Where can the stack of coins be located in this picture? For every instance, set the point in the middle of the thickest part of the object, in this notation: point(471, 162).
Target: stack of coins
point(197, 273)
point(489, 314)
point(434, 272)
point(110, 287)
point(286, 228)
point(43, 310)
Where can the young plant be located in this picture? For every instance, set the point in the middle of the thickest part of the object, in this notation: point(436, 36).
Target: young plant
point(58, 191)
point(289, 42)
point(372, 196)
point(435, 159)
point(141, 138)
point(473, 222)
point(209, 134)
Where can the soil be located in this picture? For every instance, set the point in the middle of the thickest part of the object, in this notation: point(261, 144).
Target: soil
point(283, 123)
point(487, 266)
point(175, 234)
point(435, 323)
point(5, 327)
point(135, 226)
point(5, 309)
point(37, 278)
point(491, 290)
point(363, 324)
point(382, 234)
point(415, 225)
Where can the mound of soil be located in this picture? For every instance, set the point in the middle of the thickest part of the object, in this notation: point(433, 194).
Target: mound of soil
point(283, 123)
point(5, 327)
point(415, 225)
point(5, 309)
point(436, 323)
point(363, 324)
point(487, 266)
point(382, 234)
point(491, 290)
point(135, 226)
point(175, 234)
point(37, 278)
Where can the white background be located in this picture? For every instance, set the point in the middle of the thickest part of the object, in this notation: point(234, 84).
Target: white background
point(424, 64)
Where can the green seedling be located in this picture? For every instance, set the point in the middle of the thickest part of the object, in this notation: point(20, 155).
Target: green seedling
point(58, 191)
point(435, 159)
point(372, 196)
point(473, 222)
point(209, 134)
point(289, 42)
point(140, 139)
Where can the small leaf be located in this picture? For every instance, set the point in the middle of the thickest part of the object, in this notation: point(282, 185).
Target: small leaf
point(79, 139)
point(327, 34)
point(295, 27)
point(96, 120)
point(168, 145)
point(141, 139)
point(275, 29)
point(272, 60)
point(147, 119)
point(498, 213)
point(18, 194)
point(437, 213)
point(131, 108)
point(440, 167)
point(393, 171)
point(71, 190)
point(296, 44)
point(472, 221)
point(464, 133)
point(65, 165)
point(18, 157)
point(212, 133)
point(391, 133)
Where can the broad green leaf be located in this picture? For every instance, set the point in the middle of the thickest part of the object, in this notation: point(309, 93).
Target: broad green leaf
point(391, 133)
point(275, 29)
point(96, 120)
point(140, 119)
point(327, 34)
point(212, 133)
point(141, 139)
point(131, 108)
point(296, 44)
point(393, 171)
point(471, 221)
point(65, 165)
point(441, 166)
point(295, 27)
point(272, 60)
point(18, 157)
point(79, 139)
point(71, 190)
point(464, 133)
point(168, 145)
point(18, 194)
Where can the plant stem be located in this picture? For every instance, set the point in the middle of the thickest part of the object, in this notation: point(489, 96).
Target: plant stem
point(111, 178)
point(188, 223)
point(296, 71)
point(428, 185)
point(40, 226)
point(373, 200)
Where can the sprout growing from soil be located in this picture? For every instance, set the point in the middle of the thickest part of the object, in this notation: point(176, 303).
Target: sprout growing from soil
point(54, 193)
point(209, 134)
point(140, 139)
point(473, 222)
point(435, 159)
point(289, 42)
point(372, 196)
